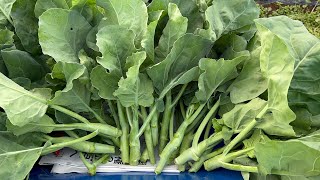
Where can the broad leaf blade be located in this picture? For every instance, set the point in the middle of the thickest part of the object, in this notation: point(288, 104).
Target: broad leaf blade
point(131, 14)
point(257, 137)
point(16, 157)
point(105, 82)
point(5, 10)
point(242, 114)
point(250, 83)
point(136, 89)
point(6, 38)
point(61, 34)
point(185, 55)
point(26, 25)
point(85, 7)
point(148, 40)
point(215, 72)
point(21, 64)
point(175, 28)
point(225, 16)
point(276, 65)
point(115, 43)
point(20, 105)
point(189, 9)
point(298, 157)
point(3, 120)
point(305, 48)
point(43, 5)
point(75, 95)
point(42, 125)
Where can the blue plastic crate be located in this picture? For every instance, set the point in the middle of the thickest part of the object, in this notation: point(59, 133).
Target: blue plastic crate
point(43, 173)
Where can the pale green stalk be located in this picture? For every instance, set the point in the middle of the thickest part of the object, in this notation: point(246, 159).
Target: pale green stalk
point(148, 138)
point(124, 139)
point(176, 141)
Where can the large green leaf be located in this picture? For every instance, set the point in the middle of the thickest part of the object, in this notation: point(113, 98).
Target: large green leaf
point(303, 122)
point(189, 9)
point(115, 43)
point(26, 25)
point(131, 14)
point(17, 155)
point(84, 7)
point(305, 48)
point(3, 120)
point(215, 72)
point(43, 5)
point(225, 16)
point(183, 58)
point(61, 34)
point(136, 89)
point(242, 114)
point(297, 157)
point(175, 28)
point(75, 95)
point(105, 82)
point(6, 38)
point(234, 45)
point(277, 65)
point(20, 105)
point(21, 64)
point(6, 41)
point(257, 137)
point(250, 83)
point(5, 10)
point(42, 125)
point(148, 40)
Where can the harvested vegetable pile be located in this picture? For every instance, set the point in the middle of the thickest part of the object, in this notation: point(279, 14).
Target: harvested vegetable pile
point(204, 83)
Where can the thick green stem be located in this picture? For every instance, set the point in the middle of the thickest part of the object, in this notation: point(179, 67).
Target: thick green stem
point(147, 121)
point(134, 139)
point(129, 116)
point(194, 153)
point(155, 128)
point(114, 113)
point(207, 131)
point(171, 127)
point(70, 113)
point(182, 110)
point(85, 146)
point(104, 129)
point(237, 167)
point(176, 141)
point(97, 116)
point(243, 134)
point(145, 156)
point(204, 123)
point(194, 125)
point(216, 162)
point(148, 138)
point(186, 143)
point(205, 156)
point(177, 98)
point(124, 139)
point(164, 132)
point(115, 141)
point(198, 164)
point(58, 146)
point(92, 168)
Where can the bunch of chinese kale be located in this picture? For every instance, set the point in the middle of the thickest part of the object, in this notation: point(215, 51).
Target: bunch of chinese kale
point(171, 76)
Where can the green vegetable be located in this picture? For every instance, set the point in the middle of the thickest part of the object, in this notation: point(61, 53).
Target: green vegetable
point(188, 76)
